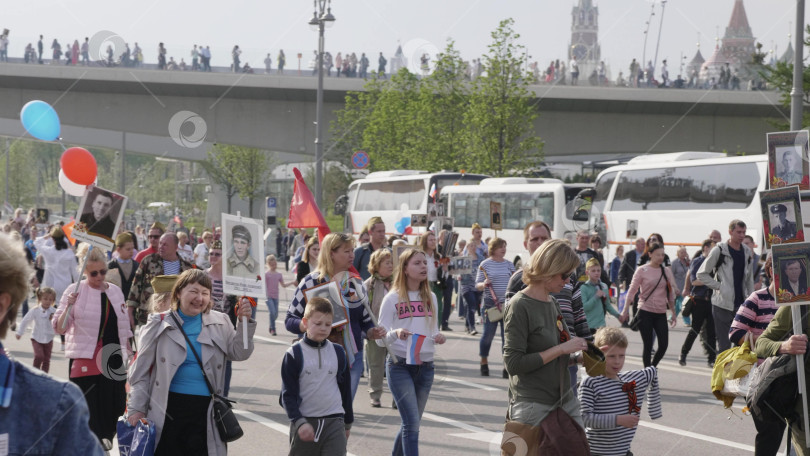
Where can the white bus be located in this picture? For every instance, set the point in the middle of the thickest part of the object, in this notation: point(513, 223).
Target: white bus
point(683, 196)
point(396, 194)
point(523, 200)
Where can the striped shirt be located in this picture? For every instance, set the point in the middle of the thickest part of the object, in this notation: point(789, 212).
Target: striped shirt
point(498, 273)
point(171, 267)
point(603, 399)
point(753, 316)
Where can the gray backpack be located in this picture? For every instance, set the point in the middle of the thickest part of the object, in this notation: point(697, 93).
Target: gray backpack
point(775, 387)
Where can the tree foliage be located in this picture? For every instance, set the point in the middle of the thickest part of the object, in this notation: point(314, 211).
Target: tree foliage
point(501, 115)
point(443, 121)
point(780, 77)
point(239, 171)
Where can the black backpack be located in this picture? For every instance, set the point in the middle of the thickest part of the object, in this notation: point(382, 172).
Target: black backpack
point(775, 388)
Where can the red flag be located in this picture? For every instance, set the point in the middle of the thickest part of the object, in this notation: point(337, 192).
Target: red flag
point(304, 212)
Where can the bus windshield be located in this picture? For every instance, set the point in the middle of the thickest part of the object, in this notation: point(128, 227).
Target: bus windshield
point(518, 209)
point(390, 196)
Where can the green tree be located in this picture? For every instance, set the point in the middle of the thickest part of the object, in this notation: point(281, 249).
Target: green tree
point(501, 113)
point(238, 170)
point(780, 78)
point(442, 103)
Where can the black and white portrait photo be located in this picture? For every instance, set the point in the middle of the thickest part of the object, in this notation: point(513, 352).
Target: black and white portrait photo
point(100, 212)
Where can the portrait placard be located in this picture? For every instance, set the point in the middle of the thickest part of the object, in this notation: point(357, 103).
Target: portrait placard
point(419, 220)
point(331, 292)
point(399, 250)
point(781, 215)
point(435, 210)
point(444, 223)
point(43, 215)
point(632, 229)
point(460, 265)
point(788, 159)
point(243, 256)
point(790, 262)
point(100, 213)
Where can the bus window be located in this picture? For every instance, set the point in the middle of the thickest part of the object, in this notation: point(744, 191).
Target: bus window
point(390, 196)
point(518, 208)
point(686, 188)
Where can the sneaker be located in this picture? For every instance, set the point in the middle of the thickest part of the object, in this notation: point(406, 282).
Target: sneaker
point(682, 360)
point(485, 370)
point(446, 328)
point(376, 403)
point(473, 332)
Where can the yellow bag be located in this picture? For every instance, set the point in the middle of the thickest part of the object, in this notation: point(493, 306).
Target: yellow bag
point(732, 364)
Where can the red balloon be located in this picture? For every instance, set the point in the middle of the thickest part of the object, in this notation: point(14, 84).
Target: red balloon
point(408, 230)
point(79, 165)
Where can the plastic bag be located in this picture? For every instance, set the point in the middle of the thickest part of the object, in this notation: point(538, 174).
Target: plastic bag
point(138, 440)
point(733, 365)
point(622, 300)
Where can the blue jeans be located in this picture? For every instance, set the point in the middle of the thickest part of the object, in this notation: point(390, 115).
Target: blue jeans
point(471, 302)
point(357, 371)
point(410, 385)
point(272, 306)
point(489, 334)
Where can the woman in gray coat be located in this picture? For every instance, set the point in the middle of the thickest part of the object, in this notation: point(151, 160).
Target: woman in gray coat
point(166, 382)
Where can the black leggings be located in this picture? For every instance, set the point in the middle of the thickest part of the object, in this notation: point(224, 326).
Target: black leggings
point(649, 323)
point(701, 319)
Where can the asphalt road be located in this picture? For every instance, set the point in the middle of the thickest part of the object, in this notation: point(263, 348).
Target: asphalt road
point(465, 411)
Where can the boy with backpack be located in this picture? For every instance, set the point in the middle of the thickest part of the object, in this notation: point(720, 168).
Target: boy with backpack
point(316, 387)
point(611, 403)
point(595, 296)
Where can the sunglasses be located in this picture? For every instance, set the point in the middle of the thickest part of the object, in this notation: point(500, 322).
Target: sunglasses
point(215, 254)
point(103, 272)
point(154, 236)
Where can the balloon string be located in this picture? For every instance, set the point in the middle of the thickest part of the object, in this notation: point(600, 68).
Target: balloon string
point(59, 140)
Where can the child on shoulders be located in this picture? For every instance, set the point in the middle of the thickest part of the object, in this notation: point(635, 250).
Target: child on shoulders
point(611, 403)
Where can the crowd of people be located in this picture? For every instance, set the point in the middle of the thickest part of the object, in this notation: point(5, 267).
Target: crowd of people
point(152, 314)
point(348, 64)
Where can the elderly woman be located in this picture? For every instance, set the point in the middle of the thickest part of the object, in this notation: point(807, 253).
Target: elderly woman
point(28, 419)
point(538, 340)
point(336, 257)
point(94, 319)
point(166, 381)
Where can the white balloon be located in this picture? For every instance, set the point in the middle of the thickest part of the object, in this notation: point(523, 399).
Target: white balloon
point(70, 187)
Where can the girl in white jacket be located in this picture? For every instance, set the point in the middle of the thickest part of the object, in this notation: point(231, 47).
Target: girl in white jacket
point(42, 337)
point(409, 315)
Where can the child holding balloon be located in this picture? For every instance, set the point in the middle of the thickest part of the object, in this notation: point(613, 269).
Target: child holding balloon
point(408, 314)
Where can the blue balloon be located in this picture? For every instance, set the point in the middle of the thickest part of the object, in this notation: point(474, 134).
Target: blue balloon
point(406, 221)
point(400, 227)
point(40, 120)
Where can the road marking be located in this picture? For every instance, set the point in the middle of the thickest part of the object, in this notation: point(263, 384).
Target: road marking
point(284, 429)
point(273, 341)
point(466, 383)
point(667, 367)
point(694, 435)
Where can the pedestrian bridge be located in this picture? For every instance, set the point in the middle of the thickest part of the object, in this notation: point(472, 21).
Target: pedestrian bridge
point(132, 110)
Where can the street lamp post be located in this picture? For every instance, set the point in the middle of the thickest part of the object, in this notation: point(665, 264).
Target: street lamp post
point(321, 18)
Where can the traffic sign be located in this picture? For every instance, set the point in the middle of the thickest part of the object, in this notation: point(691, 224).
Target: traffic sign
point(360, 160)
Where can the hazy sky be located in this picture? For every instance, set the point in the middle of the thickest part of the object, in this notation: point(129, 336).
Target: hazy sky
point(377, 25)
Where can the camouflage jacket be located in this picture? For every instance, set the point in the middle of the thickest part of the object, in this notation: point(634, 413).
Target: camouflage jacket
point(141, 291)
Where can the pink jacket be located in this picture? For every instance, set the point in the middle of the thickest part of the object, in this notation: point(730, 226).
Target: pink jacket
point(651, 299)
point(84, 320)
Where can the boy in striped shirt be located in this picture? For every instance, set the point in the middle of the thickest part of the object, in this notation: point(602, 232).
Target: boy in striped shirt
point(611, 403)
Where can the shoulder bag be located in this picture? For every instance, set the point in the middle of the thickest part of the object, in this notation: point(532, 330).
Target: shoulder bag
point(224, 418)
point(637, 317)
